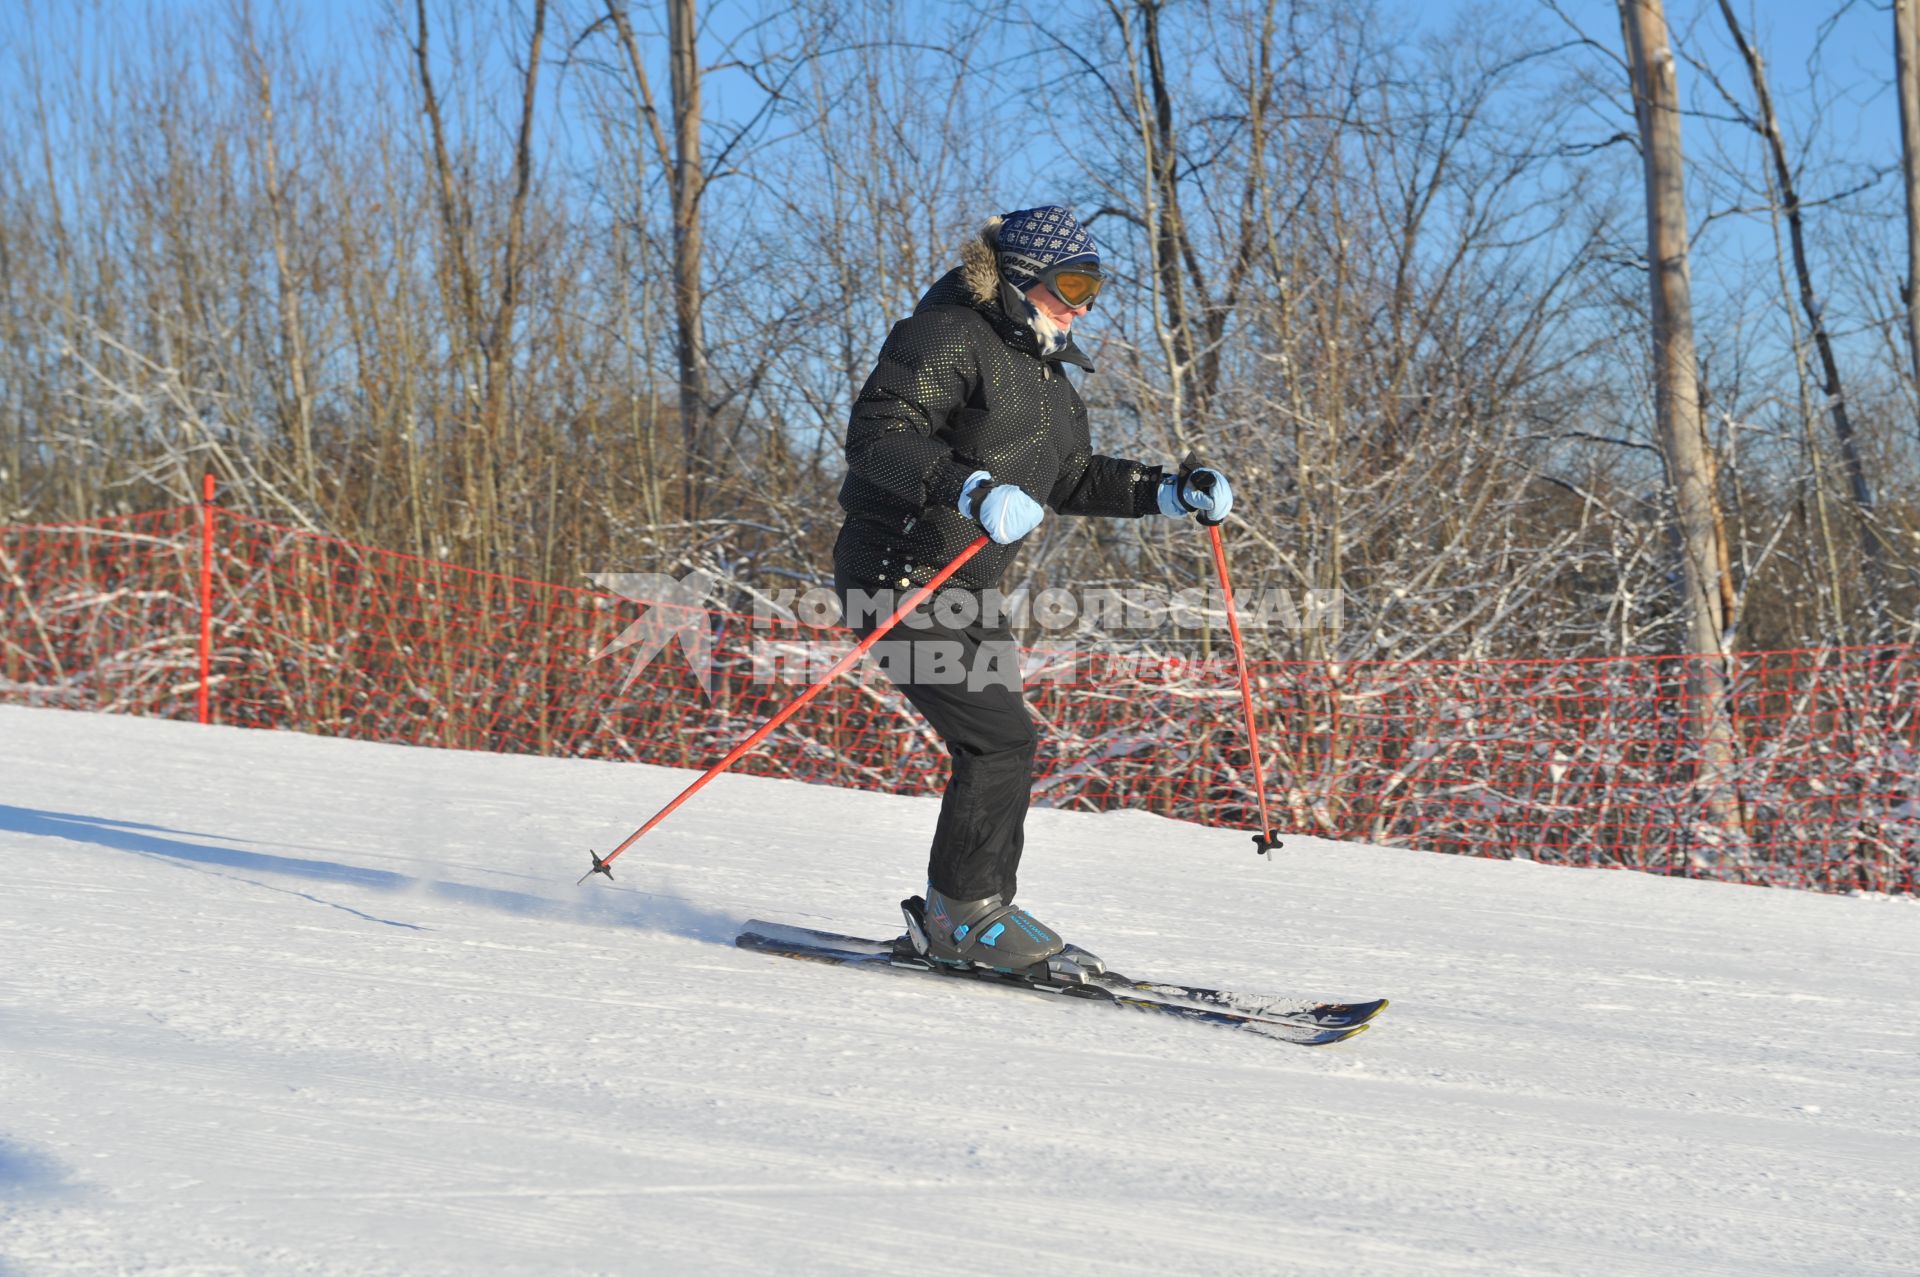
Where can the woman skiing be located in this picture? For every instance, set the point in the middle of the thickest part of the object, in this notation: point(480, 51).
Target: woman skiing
point(969, 423)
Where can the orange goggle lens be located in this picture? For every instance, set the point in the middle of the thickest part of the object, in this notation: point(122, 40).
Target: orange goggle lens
point(1075, 288)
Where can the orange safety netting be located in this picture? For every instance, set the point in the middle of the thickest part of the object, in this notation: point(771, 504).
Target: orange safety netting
point(1582, 762)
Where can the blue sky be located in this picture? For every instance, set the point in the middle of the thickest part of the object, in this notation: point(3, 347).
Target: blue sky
point(1853, 39)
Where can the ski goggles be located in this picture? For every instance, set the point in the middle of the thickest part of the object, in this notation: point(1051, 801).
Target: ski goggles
point(1075, 286)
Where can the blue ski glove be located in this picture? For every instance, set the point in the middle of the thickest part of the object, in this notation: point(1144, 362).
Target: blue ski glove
point(1003, 510)
point(1203, 489)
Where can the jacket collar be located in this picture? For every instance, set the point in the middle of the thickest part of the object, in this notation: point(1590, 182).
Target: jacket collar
point(955, 289)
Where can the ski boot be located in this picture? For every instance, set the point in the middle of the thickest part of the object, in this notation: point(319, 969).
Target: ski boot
point(996, 936)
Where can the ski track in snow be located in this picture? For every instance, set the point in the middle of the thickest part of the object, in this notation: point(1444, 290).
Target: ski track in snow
point(280, 1004)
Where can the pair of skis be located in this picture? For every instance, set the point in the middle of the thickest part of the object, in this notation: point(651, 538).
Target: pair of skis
point(1281, 1019)
point(1303, 1023)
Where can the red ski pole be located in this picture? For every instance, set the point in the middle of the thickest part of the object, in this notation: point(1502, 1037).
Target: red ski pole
point(1266, 841)
point(600, 863)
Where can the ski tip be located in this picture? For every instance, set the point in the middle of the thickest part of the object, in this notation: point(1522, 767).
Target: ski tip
point(1365, 1013)
point(1300, 1035)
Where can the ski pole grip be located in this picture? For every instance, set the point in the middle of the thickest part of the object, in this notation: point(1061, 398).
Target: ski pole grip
point(1202, 480)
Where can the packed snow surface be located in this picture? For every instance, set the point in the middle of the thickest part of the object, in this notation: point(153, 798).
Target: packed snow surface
point(280, 1004)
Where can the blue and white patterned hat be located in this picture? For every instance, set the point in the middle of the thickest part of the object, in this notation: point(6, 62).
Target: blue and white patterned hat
point(1033, 240)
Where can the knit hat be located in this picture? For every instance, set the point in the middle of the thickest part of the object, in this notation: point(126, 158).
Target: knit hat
point(1034, 240)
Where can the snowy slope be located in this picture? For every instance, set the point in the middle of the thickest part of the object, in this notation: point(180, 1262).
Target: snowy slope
point(279, 1004)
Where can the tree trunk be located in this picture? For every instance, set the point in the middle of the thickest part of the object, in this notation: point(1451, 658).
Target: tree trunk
point(688, 185)
point(287, 291)
point(1906, 53)
point(487, 355)
point(1196, 309)
point(646, 434)
point(462, 290)
point(1872, 551)
point(1682, 436)
point(1168, 230)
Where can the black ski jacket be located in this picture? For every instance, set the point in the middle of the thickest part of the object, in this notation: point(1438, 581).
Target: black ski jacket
point(960, 386)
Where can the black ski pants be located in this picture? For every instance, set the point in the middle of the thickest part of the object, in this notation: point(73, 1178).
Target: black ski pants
point(964, 678)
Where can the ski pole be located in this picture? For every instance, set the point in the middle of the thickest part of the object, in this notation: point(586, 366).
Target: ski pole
point(913, 600)
point(1266, 842)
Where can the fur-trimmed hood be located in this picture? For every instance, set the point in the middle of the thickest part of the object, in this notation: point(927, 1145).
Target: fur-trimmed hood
point(979, 267)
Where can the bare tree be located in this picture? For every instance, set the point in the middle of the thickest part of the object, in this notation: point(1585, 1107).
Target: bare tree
point(487, 322)
point(1683, 440)
point(687, 183)
point(287, 288)
point(1906, 54)
point(1767, 125)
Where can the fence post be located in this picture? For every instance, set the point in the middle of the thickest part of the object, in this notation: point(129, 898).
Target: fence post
point(207, 510)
